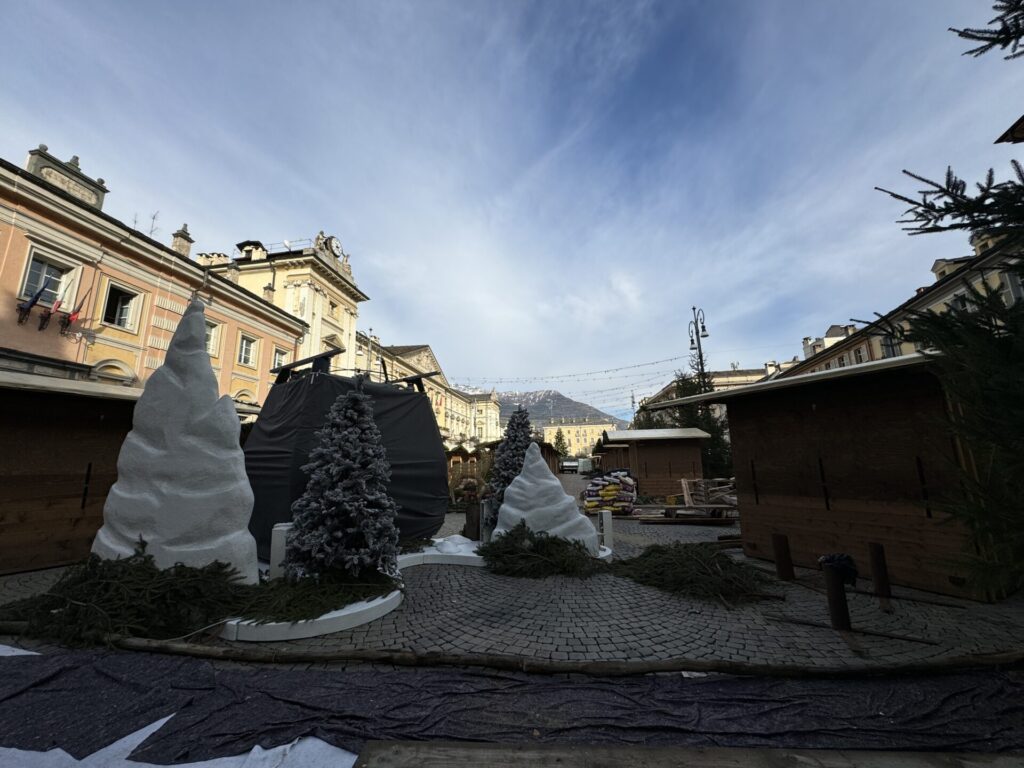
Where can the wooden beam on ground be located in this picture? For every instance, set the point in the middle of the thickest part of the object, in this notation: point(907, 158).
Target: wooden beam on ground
point(455, 754)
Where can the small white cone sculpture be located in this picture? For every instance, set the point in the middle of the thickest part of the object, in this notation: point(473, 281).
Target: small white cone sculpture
point(537, 497)
point(181, 482)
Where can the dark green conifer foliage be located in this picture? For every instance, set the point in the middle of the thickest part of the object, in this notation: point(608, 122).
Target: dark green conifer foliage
point(345, 519)
point(510, 453)
point(560, 445)
point(978, 353)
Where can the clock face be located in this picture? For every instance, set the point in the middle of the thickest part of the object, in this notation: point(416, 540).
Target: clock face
point(336, 247)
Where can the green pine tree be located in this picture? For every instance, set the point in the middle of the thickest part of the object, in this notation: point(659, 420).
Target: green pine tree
point(560, 445)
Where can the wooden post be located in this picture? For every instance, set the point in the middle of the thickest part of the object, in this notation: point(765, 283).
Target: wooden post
point(879, 570)
point(473, 522)
point(783, 559)
point(838, 610)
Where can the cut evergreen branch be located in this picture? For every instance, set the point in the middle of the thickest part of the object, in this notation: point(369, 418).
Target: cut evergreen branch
point(411, 546)
point(534, 555)
point(99, 599)
point(948, 205)
point(1008, 31)
point(698, 571)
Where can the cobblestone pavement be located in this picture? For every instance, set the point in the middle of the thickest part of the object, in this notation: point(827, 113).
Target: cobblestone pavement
point(470, 610)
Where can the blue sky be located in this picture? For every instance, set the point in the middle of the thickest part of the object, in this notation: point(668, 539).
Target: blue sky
point(534, 189)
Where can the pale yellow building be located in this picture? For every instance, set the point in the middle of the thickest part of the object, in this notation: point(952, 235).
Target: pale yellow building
point(110, 297)
point(311, 280)
point(461, 417)
point(580, 436)
point(951, 276)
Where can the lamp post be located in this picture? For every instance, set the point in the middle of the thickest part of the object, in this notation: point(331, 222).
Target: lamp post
point(698, 331)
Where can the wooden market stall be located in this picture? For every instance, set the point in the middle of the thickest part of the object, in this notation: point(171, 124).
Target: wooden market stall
point(658, 458)
point(841, 459)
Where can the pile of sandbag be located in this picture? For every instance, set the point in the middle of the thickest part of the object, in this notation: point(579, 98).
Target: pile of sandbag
point(614, 491)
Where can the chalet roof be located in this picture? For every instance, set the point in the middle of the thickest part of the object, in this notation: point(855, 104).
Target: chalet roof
point(861, 369)
point(58, 385)
point(1014, 134)
point(633, 435)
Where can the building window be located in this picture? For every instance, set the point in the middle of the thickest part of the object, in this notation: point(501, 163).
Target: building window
point(1011, 288)
point(212, 337)
point(38, 271)
point(247, 350)
point(959, 301)
point(828, 366)
point(842, 361)
point(890, 346)
point(280, 357)
point(858, 355)
point(119, 309)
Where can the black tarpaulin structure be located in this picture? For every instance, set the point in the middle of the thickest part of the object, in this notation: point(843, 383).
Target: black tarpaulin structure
point(284, 434)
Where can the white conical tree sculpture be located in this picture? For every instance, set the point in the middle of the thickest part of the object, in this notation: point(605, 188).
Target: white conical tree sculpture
point(181, 482)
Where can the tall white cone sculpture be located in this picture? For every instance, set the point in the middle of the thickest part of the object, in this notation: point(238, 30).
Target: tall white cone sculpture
point(537, 497)
point(181, 482)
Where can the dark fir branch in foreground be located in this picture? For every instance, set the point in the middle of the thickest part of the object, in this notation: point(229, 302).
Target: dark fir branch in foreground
point(949, 205)
point(1008, 31)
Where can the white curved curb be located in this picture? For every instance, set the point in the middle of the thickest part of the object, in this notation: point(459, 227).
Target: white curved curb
point(453, 550)
point(336, 621)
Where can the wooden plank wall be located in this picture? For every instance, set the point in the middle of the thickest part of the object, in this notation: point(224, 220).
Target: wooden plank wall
point(838, 465)
point(660, 465)
point(59, 461)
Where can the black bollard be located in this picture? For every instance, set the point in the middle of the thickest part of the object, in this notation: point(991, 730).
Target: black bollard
point(838, 610)
point(783, 559)
point(879, 571)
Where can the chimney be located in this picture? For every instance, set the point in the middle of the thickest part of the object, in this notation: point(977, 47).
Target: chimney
point(210, 259)
point(268, 292)
point(181, 241)
point(252, 249)
point(231, 273)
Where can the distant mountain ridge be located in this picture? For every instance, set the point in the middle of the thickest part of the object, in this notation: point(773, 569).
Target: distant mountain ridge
point(548, 404)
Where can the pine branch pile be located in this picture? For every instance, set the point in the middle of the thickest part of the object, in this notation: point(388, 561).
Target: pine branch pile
point(527, 554)
point(698, 571)
point(99, 599)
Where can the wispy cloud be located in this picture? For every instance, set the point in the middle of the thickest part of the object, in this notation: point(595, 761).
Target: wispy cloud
point(534, 188)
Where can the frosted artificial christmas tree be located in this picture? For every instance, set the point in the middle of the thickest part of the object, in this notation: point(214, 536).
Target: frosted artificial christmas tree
point(345, 519)
point(181, 483)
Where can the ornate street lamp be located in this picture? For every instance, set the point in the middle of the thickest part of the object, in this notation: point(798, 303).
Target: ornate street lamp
point(698, 331)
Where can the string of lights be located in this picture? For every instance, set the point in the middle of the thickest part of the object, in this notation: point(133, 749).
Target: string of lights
point(567, 376)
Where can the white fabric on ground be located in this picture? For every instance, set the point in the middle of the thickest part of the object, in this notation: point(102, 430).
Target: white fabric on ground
point(306, 752)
